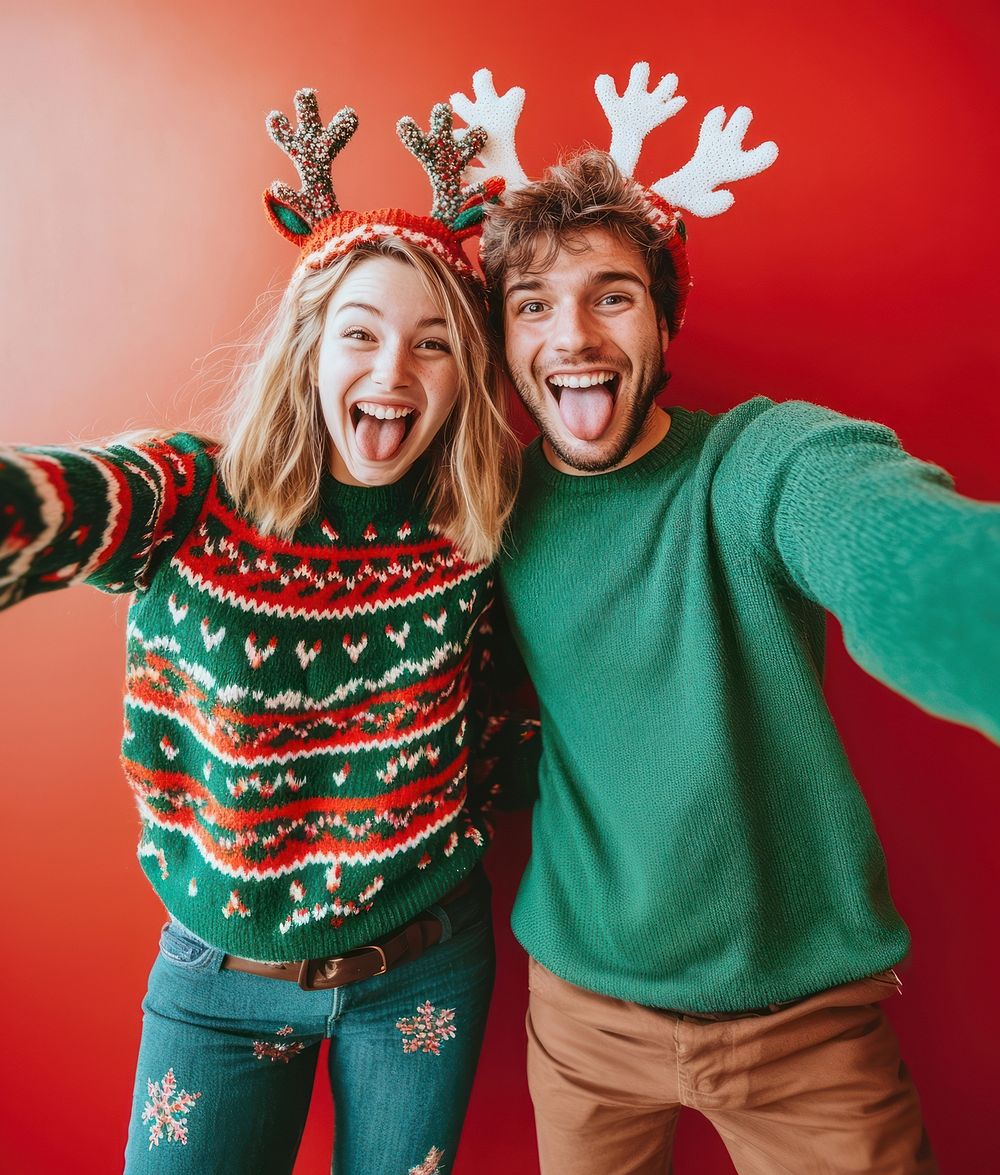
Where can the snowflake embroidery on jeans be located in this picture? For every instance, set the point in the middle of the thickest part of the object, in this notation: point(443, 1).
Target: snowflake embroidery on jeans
point(427, 1030)
point(264, 1050)
point(431, 1165)
point(167, 1110)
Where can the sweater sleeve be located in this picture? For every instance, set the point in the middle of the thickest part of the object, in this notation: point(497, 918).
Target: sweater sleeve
point(507, 741)
point(909, 567)
point(100, 516)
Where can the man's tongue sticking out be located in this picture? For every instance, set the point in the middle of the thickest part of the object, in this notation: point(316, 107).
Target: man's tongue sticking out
point(378, 440)
point(586, 412)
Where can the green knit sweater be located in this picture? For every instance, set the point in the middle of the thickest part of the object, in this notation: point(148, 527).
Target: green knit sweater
point(700, 842)
point(299, 713)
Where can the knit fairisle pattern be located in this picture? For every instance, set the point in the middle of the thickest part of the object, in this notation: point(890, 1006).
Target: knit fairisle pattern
point(297, 712)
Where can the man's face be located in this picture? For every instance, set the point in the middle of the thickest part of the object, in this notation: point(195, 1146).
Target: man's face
point(585, 348)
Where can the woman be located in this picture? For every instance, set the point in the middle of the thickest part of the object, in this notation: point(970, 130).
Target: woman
point(311, 597)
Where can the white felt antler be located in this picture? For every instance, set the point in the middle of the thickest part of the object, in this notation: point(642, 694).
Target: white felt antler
point(719, 158)
point(497, 114)
point(636, 112)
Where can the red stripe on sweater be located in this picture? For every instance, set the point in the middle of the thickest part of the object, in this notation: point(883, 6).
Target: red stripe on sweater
point(242, 530)
point(441, 684)
point(150, 783)
point(412, 719)
point(323, 848)
point(208, 568)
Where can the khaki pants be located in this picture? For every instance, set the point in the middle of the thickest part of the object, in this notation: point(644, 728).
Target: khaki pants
point(817, 1087)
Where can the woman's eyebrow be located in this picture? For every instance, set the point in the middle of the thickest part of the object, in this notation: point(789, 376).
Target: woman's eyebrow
point(360, 306)
point(421, 325)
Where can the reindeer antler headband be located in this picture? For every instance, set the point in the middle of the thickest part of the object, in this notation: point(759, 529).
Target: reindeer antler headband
point(719, 157)
point(312, 218)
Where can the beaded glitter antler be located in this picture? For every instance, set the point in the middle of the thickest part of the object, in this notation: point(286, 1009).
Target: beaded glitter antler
point(312, 148)
point(312, 218)
point(444, 155)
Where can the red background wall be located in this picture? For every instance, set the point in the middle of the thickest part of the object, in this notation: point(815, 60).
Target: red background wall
point(859, 272)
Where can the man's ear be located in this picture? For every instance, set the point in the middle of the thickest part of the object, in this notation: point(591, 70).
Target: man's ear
point(664, 332)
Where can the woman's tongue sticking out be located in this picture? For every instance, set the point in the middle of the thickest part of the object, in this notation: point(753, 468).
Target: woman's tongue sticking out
point(379, 440)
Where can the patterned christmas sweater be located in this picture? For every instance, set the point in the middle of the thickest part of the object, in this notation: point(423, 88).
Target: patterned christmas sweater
point(299, 713)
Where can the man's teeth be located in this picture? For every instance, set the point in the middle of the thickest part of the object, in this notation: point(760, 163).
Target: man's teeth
point(384, 412)
point(592, 379)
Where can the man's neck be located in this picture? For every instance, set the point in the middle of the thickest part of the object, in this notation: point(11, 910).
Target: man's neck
point(655, 428)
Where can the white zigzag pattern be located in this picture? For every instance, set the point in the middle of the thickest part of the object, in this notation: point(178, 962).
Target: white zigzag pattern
point(227, 596)
point(295, 699)
point(164, 642)
point(200, 674)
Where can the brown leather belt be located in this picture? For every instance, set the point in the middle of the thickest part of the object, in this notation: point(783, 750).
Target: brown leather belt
point(364, 962)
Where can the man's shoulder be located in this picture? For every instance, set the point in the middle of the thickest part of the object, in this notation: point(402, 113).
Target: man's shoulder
point(763, 415)
point(766, 430)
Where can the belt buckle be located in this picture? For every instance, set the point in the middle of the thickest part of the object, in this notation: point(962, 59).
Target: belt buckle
point(321, 974)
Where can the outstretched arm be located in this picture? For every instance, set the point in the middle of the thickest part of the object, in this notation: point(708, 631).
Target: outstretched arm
point(909, 567)
point(99, 516)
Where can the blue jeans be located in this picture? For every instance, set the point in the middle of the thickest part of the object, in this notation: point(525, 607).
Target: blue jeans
point(227, 1059)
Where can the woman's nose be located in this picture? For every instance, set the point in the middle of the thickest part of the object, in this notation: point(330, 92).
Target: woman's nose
point(391, 369)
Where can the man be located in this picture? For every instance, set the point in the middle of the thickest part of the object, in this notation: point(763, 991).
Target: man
point(706, 907)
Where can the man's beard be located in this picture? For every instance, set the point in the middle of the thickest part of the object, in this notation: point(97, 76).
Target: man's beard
point(629, 427)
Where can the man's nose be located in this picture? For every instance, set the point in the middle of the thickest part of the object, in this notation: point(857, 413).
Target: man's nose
point(575, 329)
point(392, 366)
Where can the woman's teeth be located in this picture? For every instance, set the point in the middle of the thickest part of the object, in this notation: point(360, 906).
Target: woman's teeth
point(590, 380)
point(383, 411)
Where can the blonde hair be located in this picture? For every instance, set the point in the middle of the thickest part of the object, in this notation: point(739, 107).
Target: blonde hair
point(276, 445)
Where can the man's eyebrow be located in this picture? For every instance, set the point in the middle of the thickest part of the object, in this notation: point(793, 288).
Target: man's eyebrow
point(612, 276)
point(601, 277)
point(526, 285)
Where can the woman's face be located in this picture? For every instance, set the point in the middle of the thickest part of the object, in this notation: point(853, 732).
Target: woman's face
point(387, 373)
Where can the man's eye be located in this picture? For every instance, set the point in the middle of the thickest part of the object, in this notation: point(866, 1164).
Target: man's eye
point(614, 300)
point(532, 307)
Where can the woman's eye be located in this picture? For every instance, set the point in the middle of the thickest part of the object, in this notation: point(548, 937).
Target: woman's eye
point(357, 332)
point(436, 345)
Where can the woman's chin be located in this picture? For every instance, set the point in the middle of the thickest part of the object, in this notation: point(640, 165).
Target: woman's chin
point(360, 471)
